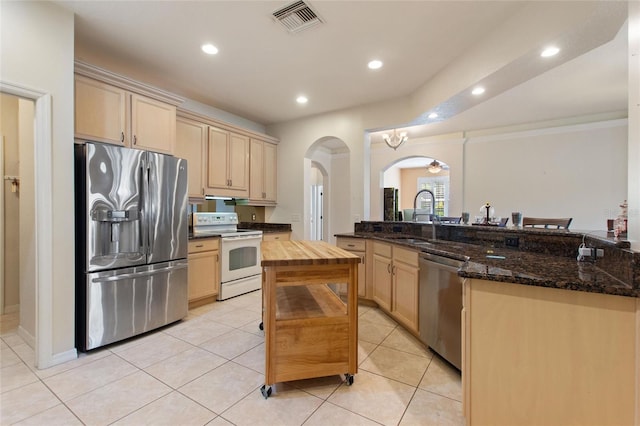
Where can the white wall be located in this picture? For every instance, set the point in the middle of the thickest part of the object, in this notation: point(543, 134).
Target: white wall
point(574, 171)
point(341, 198)
point(37, 40)
point(298, 136)
point(391, 178)
point(634, 124)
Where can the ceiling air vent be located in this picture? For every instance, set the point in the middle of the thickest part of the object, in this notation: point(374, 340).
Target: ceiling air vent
point(297, 16)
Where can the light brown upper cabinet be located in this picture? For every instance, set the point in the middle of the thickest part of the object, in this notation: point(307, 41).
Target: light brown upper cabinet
point(100, 111)
point(106, 113)
point(262, 173)
point(228, 164)
point(153, 124)
point(191, 141)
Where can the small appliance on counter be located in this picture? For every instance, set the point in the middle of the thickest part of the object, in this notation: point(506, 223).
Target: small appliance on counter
point(240, 269)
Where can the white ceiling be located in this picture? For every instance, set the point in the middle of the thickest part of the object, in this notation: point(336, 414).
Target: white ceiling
point(261, 68)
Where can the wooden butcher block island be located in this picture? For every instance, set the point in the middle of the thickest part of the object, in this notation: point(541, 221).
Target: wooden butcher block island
point(310, 311)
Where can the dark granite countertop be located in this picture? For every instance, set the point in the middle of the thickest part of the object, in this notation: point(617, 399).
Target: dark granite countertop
point(266, 227)
point(515, 266)
point(192, 236)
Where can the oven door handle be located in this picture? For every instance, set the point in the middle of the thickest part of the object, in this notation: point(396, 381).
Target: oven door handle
point(242, 238)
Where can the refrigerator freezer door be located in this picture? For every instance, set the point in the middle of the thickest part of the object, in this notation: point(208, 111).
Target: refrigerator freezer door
point(114, 210)
point(130, 301)
point(167, 208)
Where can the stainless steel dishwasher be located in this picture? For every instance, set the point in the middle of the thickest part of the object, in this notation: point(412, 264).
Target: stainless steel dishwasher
point(440, 306)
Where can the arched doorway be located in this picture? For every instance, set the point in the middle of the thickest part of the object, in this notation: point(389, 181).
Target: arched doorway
point(403, 179)
point(326, 196)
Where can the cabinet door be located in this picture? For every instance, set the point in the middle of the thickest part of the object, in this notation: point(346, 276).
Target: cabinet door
point(256, 170)
point(203, 275)
point(405, 294)
point(217, 154)
point(362, 288)
point(153, 124)
point(191, 138)
point(382, 281)
point(238, 167)
point(270, 172)
point(100, 111)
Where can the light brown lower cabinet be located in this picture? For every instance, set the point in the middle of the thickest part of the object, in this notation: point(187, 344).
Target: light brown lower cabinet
point(545, 356)
point(357, 246)
point(395, 282)
point(204, 271)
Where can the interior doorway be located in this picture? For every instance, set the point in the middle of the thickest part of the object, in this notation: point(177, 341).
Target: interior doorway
point(17, 217)
point(317, 202)
point(10, 210)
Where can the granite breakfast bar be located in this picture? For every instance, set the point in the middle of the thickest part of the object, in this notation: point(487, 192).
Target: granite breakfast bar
point(546, 339)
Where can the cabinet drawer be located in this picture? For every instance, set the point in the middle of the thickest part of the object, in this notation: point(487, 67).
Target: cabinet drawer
point(276, 236)
point(352, 244)
point(382, 249)
point(409, 257)
point(204, 244)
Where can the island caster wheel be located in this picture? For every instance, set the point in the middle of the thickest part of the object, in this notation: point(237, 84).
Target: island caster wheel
point(348, 378)
point(266, 391)
point(261, 326)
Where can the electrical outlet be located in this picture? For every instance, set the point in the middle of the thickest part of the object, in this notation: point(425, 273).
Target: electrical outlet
point(584, 251)
point(599, 252)
point(511, 241)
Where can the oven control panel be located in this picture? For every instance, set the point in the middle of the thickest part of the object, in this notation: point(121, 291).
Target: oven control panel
point(210, 218)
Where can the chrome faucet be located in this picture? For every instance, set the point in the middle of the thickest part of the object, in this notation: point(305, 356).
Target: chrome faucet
point(433, 210)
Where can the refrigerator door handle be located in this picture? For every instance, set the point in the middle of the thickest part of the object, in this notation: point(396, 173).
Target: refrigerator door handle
point(144, 193)
point(138, 274)
point(149, 203)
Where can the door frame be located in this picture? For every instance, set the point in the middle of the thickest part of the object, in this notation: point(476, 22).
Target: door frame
point(43, 216)
point(2, 225)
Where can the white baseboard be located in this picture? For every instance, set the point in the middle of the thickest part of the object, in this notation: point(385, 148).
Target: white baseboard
point(12, 308)
point(29, 338)
point(60, 358)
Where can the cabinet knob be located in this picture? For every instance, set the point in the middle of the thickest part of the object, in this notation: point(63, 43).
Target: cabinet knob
point(135, 139)
point(122, 137)
point(199, 245)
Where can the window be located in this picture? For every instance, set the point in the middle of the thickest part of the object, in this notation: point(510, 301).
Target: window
point(439, 185)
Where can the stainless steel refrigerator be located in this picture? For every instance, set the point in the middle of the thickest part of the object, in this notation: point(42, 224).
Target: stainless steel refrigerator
point(131, 242)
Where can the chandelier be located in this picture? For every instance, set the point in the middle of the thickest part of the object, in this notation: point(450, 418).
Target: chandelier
point(394, 141)
point(434, 167)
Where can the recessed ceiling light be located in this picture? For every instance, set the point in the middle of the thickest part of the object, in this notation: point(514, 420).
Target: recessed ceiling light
point(433, 115)
point(302, 99)
point(478, 91)
point(375, 64)
point(549, 51)
point(209, 49)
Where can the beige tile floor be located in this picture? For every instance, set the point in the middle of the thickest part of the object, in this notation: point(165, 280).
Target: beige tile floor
point(207, 370)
